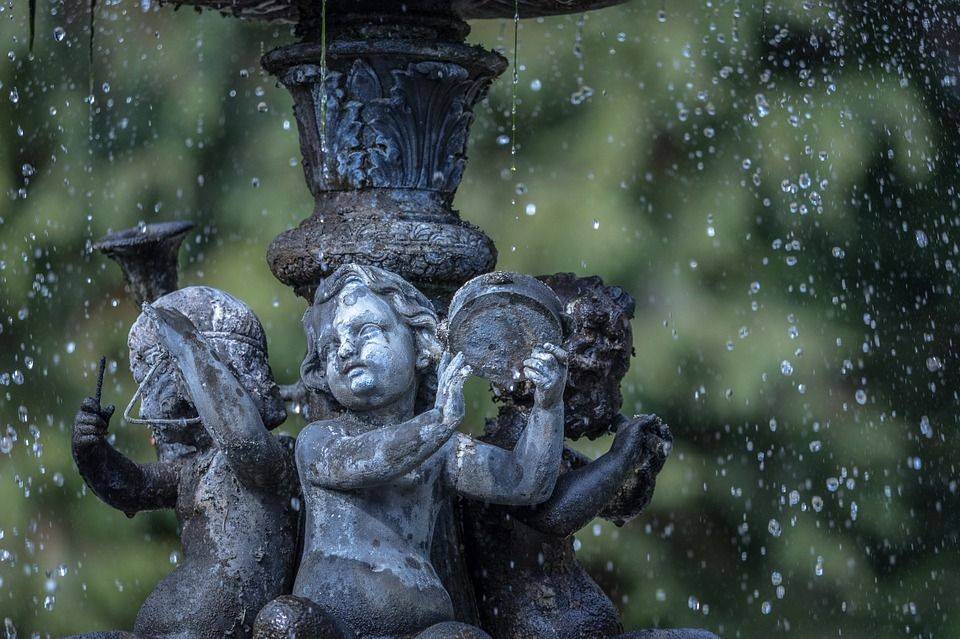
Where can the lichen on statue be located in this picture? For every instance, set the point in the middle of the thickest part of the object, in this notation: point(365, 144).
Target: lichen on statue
point(521, 560)
point(200, 358)
point(375, 476)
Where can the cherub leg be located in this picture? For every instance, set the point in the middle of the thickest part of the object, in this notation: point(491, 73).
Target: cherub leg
point(290, 617)
point(452, 630)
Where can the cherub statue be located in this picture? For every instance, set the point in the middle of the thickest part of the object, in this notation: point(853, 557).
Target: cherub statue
point(200, 358)
point(375, 477)
point(527, 579)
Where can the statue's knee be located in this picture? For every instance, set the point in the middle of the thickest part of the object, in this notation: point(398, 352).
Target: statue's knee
point(290, 617)
point(453, 630)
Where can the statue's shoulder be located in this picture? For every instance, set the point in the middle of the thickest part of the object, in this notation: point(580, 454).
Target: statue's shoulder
point(320, 431)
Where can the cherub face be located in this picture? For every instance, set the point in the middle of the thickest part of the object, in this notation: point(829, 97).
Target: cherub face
point(370, 352)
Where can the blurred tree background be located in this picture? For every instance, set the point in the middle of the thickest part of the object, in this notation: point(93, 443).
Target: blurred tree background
point(775, 183)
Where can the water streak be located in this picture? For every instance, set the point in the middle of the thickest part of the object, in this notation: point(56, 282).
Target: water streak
point(516, 83)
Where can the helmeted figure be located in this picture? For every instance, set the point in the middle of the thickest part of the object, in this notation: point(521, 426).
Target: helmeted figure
point(200, 357)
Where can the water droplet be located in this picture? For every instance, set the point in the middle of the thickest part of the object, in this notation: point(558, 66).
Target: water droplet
point(531, 209)
point(838, 252)
point(763, 108)
point(934, 364)
point(262, 107)
point(59, 34)
point(815, 446)
point(860, 396)
point(773, 527)
point(535, 85)
point(817, 502)
point(581, 95)
point(596, 224)
point(765, 607)
point(174, 558)
point(833, 484)
point(921, 238)
point(503, 139)
point(786, 368)
point(925, 428)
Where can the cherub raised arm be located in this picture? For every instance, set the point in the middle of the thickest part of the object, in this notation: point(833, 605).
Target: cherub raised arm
point(374, 477)
point(522, 559)
point(200, 358)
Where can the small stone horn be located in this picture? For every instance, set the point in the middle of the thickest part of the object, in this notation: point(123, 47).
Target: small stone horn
point(148, 256)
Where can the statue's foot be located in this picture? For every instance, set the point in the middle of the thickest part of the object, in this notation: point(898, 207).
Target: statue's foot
point(290, 617)
point(453, 630)
point(680, 633)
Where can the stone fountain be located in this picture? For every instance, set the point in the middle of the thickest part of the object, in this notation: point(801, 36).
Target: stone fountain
point(383, 95)
point(454, 536)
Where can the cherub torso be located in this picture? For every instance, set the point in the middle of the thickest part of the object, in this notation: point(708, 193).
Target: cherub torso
point(366, 557)
point(239, 549)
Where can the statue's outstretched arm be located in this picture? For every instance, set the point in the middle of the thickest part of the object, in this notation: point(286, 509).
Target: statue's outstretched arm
point(588, 489)
point(527, 474)
point(225, 407)
point(651, 452)
point(329, 457)
point(115, 479)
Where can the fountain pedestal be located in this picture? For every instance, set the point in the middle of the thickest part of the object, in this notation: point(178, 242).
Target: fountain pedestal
point(384, 122)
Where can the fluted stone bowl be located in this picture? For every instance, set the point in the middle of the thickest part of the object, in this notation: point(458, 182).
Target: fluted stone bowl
point(286, 10)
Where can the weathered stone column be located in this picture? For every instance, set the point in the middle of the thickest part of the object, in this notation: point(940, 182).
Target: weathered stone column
point(384, 121)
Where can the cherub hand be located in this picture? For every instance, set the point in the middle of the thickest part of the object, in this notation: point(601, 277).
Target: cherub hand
point(644, 438)
point(92, 420)
point(547, 369)
point(451, 375)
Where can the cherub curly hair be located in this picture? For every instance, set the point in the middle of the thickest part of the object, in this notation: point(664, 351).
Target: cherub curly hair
point(409, 303)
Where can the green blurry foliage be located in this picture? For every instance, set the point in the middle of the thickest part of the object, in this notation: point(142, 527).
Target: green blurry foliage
point(775, 207)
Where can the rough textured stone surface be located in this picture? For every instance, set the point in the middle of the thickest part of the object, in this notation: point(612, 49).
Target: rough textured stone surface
point(148, 256)
point(383, 472)
point(287, 10)
point(526, 576)
point(383, 133)
point(200, 352)
point(496, 319)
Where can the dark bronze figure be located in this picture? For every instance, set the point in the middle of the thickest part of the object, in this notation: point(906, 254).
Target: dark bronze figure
point(200, 357)
point(527, 579)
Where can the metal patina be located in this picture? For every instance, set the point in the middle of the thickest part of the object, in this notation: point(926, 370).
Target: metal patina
point(408, 528)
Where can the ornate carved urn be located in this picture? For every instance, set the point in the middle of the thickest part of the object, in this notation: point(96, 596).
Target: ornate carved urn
point(384, 94)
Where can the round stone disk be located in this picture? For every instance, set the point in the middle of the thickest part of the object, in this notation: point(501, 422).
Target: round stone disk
point(497, 319)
